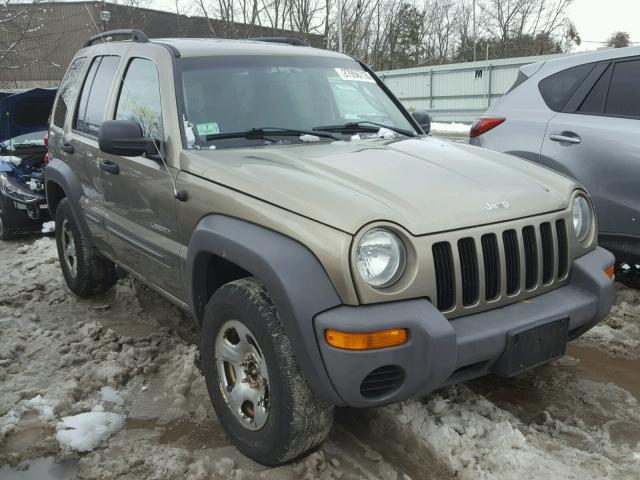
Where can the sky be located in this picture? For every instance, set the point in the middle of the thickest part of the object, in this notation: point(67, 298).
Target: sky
point(596, 20)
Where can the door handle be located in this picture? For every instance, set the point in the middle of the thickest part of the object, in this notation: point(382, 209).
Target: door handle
point(110, 167)
point(68, 148)
point(565, 137)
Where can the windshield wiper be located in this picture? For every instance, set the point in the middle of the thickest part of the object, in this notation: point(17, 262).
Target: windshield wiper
point(353, 127)
point(262, 133)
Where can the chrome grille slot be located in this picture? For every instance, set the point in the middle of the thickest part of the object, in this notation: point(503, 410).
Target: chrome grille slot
point(491, 257)
point(512, 261)
point(546, 241)
point(445, 275)
point(531, 256)
point(468, 270)
point(563, 248)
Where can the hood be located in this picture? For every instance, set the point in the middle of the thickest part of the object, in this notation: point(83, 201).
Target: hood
point(426, 185)
point(25, 111)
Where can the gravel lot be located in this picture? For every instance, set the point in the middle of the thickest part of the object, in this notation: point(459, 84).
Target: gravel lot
point(129, 358)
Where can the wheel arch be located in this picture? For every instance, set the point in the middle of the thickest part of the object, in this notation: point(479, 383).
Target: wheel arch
point(61, 182)
point(294, 278)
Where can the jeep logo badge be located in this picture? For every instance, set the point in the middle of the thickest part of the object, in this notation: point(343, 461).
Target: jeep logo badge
point(495, 205)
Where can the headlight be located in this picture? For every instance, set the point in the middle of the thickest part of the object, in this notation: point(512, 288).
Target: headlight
point(380, 257)
point(17, 192)
point(582, 217)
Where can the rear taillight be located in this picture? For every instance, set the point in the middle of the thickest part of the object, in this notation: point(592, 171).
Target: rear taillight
point(46, 139)
point(484, 124)
point(46, 159)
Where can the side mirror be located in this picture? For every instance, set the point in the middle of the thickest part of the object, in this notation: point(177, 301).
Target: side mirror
point(423, 119)
point(123, 138)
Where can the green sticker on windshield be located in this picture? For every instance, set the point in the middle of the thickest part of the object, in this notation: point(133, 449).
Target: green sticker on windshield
point(207, 128)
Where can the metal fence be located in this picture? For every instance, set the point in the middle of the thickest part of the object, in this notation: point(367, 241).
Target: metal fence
point(457, 92)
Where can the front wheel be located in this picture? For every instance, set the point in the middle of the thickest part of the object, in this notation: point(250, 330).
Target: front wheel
point(6, 220)
point(257, 389)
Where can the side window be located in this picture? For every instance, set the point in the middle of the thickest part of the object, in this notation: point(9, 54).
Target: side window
point(624, 95)
point(557, 89)
point(139, 98)
point(594, 101)
point(95, 93)
point(67, 91)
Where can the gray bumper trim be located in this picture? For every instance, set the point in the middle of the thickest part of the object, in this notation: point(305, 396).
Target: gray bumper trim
point(441, 351)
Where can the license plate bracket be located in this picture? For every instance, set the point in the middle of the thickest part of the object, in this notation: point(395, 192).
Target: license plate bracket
point(531, 346)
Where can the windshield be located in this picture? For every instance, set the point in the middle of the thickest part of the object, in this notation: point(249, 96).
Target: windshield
point(236, 94)
point(33, 138)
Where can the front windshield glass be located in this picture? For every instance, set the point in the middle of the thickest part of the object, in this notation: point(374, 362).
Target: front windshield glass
point(33, 138)
point(234, 94)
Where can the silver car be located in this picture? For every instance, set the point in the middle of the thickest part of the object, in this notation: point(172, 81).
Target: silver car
point(580, 115)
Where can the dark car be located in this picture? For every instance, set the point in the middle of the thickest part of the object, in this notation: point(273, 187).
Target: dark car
point(24, 118)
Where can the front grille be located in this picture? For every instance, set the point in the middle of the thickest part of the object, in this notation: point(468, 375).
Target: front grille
point(515, 263)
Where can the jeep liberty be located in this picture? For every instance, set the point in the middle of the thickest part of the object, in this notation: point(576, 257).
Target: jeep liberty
point(331, 252)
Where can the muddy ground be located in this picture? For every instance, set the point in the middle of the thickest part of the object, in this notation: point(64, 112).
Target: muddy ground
point(131, 353)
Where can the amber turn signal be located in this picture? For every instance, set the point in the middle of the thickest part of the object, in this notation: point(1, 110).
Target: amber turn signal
point(366, 340)
point(610, 272)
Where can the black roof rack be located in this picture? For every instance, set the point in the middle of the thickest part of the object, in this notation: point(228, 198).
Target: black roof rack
point(135, 34)
point(290, 40)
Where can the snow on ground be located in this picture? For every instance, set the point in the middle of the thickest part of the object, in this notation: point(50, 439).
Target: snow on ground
point(620, 333)
point(456, 129)
point(111, 386)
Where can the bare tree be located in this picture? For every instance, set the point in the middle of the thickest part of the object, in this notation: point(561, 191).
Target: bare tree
point(619, 40)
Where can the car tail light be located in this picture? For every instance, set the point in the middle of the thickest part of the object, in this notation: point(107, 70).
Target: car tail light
point(484, 124)
point(46, 139)
point(46, 159)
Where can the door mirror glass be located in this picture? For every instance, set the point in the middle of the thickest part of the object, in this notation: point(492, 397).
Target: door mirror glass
point(123, 138)
point(423, 119)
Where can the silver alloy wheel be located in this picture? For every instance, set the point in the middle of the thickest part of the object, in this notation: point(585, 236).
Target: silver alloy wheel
point(242, 374)
point(69, 249)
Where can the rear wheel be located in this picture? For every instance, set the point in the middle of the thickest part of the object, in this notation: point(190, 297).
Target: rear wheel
point(257, 389)
point(86, 272)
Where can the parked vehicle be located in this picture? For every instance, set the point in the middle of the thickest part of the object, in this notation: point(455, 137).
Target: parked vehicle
point(24, 120)
point(580, 115)
point(329, 258)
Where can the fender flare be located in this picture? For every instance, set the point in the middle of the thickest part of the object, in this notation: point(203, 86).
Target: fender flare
point(296, 281)
point(60, 173)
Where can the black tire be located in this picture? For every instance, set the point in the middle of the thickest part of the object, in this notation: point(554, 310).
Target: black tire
point(7, 220)
point(298, 421)
point(93, 273)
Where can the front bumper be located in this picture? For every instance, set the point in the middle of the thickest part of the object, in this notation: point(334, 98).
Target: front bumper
point(440, 351)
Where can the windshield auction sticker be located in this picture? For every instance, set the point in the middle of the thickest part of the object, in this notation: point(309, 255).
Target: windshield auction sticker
point(207, 128)
point(353, 74)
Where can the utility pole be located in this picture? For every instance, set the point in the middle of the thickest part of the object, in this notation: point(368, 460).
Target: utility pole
point(340, 25)
point(474, 31)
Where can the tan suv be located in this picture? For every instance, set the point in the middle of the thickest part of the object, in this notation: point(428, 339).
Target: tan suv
point(330, 251)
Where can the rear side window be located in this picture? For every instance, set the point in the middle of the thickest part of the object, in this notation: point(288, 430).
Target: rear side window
point(594, 102)
point(557, 89)
point(139, 98)
point(67, 91)
point(95, 92)
point(624, 93)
